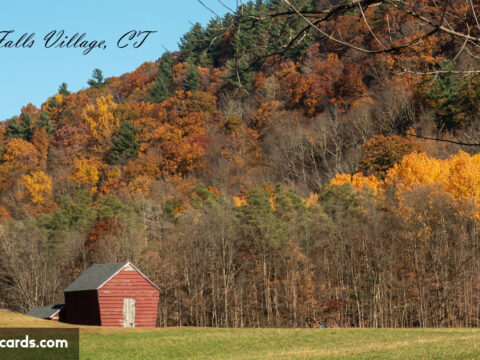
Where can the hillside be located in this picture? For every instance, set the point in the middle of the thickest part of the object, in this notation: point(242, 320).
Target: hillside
point(267, 174)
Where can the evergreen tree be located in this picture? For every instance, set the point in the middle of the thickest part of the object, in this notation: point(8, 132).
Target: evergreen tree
point(97, 80)
point(63, 89)
point(194, 45)
point(13, 127)
point(20, 129)
point(214, 33)
point(164, 80)
point(469, 100)
point(125, 142)
point(44, 121)
point(26, 131)
point(191, 83)
point(259, 221)
point(444, 98)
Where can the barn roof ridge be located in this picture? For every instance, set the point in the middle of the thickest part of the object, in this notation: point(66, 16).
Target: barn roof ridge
point(98, 275)
point(95, 276)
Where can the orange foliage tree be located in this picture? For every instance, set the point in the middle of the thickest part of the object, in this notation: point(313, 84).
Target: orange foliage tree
point(18, 155)
point(380, 153)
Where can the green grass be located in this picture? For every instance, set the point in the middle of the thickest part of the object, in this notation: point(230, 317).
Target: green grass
point(239, 344)
point(187, 343)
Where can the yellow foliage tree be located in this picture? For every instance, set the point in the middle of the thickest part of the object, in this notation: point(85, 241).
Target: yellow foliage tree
point(358, 181)
point(418, 169)
point(464, 177)
point(102, 122)
point(239, 201)
point(458, 176)
point(86, 172)
point(37, 187)
point(140, 186)
point(311, 200)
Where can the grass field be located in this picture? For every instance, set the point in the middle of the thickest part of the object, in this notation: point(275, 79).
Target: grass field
point(241, 344)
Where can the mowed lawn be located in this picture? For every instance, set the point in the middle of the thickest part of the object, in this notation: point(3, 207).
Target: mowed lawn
point(205, 343)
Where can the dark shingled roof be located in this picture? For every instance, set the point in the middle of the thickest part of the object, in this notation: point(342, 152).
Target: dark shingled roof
point(45, 312)
point(94, 276)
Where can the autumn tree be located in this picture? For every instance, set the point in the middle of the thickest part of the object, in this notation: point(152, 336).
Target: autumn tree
point(19, 154)
point(85, 173)
point(38, 187)
point(381, 153)
point(102, 121)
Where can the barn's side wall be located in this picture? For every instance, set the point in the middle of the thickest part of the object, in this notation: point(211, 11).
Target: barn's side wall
point(128, 283)
point(81, 307)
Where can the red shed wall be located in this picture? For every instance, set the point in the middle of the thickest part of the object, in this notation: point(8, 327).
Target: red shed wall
point(59, 316)
point(128, 283)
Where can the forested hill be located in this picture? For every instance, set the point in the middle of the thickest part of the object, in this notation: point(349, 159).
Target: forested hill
point(287, 166)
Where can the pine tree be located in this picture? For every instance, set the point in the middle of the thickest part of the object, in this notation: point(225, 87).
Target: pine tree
point(13, 127)
point(97, 80)
point(469, 100)
point(44, 121)
point(26, 131)
point(125, 143)
point(214, 33)
point(20, 129)
point(164, 80)
point(63, 89)
point(191, 82)
point(444, 98)
point(194, 45)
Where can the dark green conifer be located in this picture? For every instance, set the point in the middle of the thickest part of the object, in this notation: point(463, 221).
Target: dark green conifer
point(63, 89)
point(13, 127)
point(26, 131)
point(194, 45)
point(125, 143)
point(164, 80)
point(97, 80)
point(44, 121)
point(444, 98)
point(191, 83)
point(22, 129)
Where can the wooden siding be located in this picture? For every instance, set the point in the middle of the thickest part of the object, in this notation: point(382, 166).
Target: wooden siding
point(128, 283)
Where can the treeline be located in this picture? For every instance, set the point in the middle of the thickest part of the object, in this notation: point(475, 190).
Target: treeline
point(363, 253)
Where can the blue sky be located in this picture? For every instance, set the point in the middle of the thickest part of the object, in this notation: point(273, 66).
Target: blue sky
point(32, 75)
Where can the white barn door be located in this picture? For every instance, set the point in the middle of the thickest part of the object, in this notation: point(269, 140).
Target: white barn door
point(128, 312)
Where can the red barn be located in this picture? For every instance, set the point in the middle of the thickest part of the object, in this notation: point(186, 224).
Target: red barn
point(112, 295)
